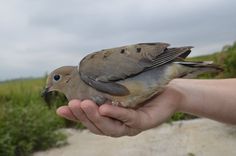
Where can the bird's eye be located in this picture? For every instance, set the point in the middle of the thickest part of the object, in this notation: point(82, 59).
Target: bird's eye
point(57, 77)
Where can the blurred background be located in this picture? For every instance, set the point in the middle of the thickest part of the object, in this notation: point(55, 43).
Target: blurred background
point(39, 36)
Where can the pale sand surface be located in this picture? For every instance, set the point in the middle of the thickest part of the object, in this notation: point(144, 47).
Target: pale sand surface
point(199, 137)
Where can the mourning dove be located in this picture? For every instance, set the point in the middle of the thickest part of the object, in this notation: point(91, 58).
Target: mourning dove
point(127, 75)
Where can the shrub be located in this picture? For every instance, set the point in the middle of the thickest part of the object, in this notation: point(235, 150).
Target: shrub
point(26, 124)
point(230, 62)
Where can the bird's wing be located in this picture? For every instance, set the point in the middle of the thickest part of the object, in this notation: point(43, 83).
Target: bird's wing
point(102, 69)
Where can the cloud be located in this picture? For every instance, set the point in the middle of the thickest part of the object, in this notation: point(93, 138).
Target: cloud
point(38, 36)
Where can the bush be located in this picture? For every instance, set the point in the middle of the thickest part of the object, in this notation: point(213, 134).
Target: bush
point(25, 129)
point(230, 62)
point(26, 124)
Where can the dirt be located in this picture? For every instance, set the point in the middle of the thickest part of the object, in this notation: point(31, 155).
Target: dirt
point(199, 137)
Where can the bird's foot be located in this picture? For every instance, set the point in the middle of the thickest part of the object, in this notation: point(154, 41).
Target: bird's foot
point(99, 100)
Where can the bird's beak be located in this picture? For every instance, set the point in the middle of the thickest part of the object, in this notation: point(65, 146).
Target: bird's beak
point(45, 92)
point(46, 96)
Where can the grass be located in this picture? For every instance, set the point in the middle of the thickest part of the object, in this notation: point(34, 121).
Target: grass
point(27, 124)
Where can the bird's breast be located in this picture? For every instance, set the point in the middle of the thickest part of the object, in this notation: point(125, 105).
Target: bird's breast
point(142, 87)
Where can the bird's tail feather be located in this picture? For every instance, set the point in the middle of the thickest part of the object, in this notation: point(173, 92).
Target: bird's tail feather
point(200, 68)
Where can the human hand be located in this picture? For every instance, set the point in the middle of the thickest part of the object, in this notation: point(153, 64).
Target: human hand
point(117, 121)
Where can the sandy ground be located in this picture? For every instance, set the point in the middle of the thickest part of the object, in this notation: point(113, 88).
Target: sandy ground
point(199, 137)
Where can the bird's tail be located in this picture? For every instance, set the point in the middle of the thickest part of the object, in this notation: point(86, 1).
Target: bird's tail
point(198, 68)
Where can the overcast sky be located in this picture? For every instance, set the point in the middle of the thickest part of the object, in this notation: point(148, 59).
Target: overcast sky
point(37, 36)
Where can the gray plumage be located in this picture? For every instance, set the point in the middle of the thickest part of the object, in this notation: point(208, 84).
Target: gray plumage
point(127, 75)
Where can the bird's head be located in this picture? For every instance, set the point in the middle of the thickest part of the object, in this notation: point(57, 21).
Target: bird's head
point(58, 79)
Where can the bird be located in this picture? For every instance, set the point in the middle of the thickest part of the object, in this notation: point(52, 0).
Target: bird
point(126, 76)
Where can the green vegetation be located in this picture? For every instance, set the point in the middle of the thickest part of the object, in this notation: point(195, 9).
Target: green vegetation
point(27, 124)
point(226, 59)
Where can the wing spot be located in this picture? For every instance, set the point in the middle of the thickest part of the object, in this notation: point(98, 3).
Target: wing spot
point(138, 50)
point(106, 54)
point(92, 56)
point(122, 51)
point(148, 43)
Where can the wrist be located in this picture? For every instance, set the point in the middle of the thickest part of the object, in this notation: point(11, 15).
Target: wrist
point(177, 93)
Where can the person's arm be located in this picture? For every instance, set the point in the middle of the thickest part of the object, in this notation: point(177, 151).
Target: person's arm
point(215, 99)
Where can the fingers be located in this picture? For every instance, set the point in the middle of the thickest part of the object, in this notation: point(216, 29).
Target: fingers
point(129, 116)
point(107, 125)
point(90, 115)
point(140, 119)
point(75, 107)
point(64, 111)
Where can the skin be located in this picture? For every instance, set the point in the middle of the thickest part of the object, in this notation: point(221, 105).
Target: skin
point(214, 99)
